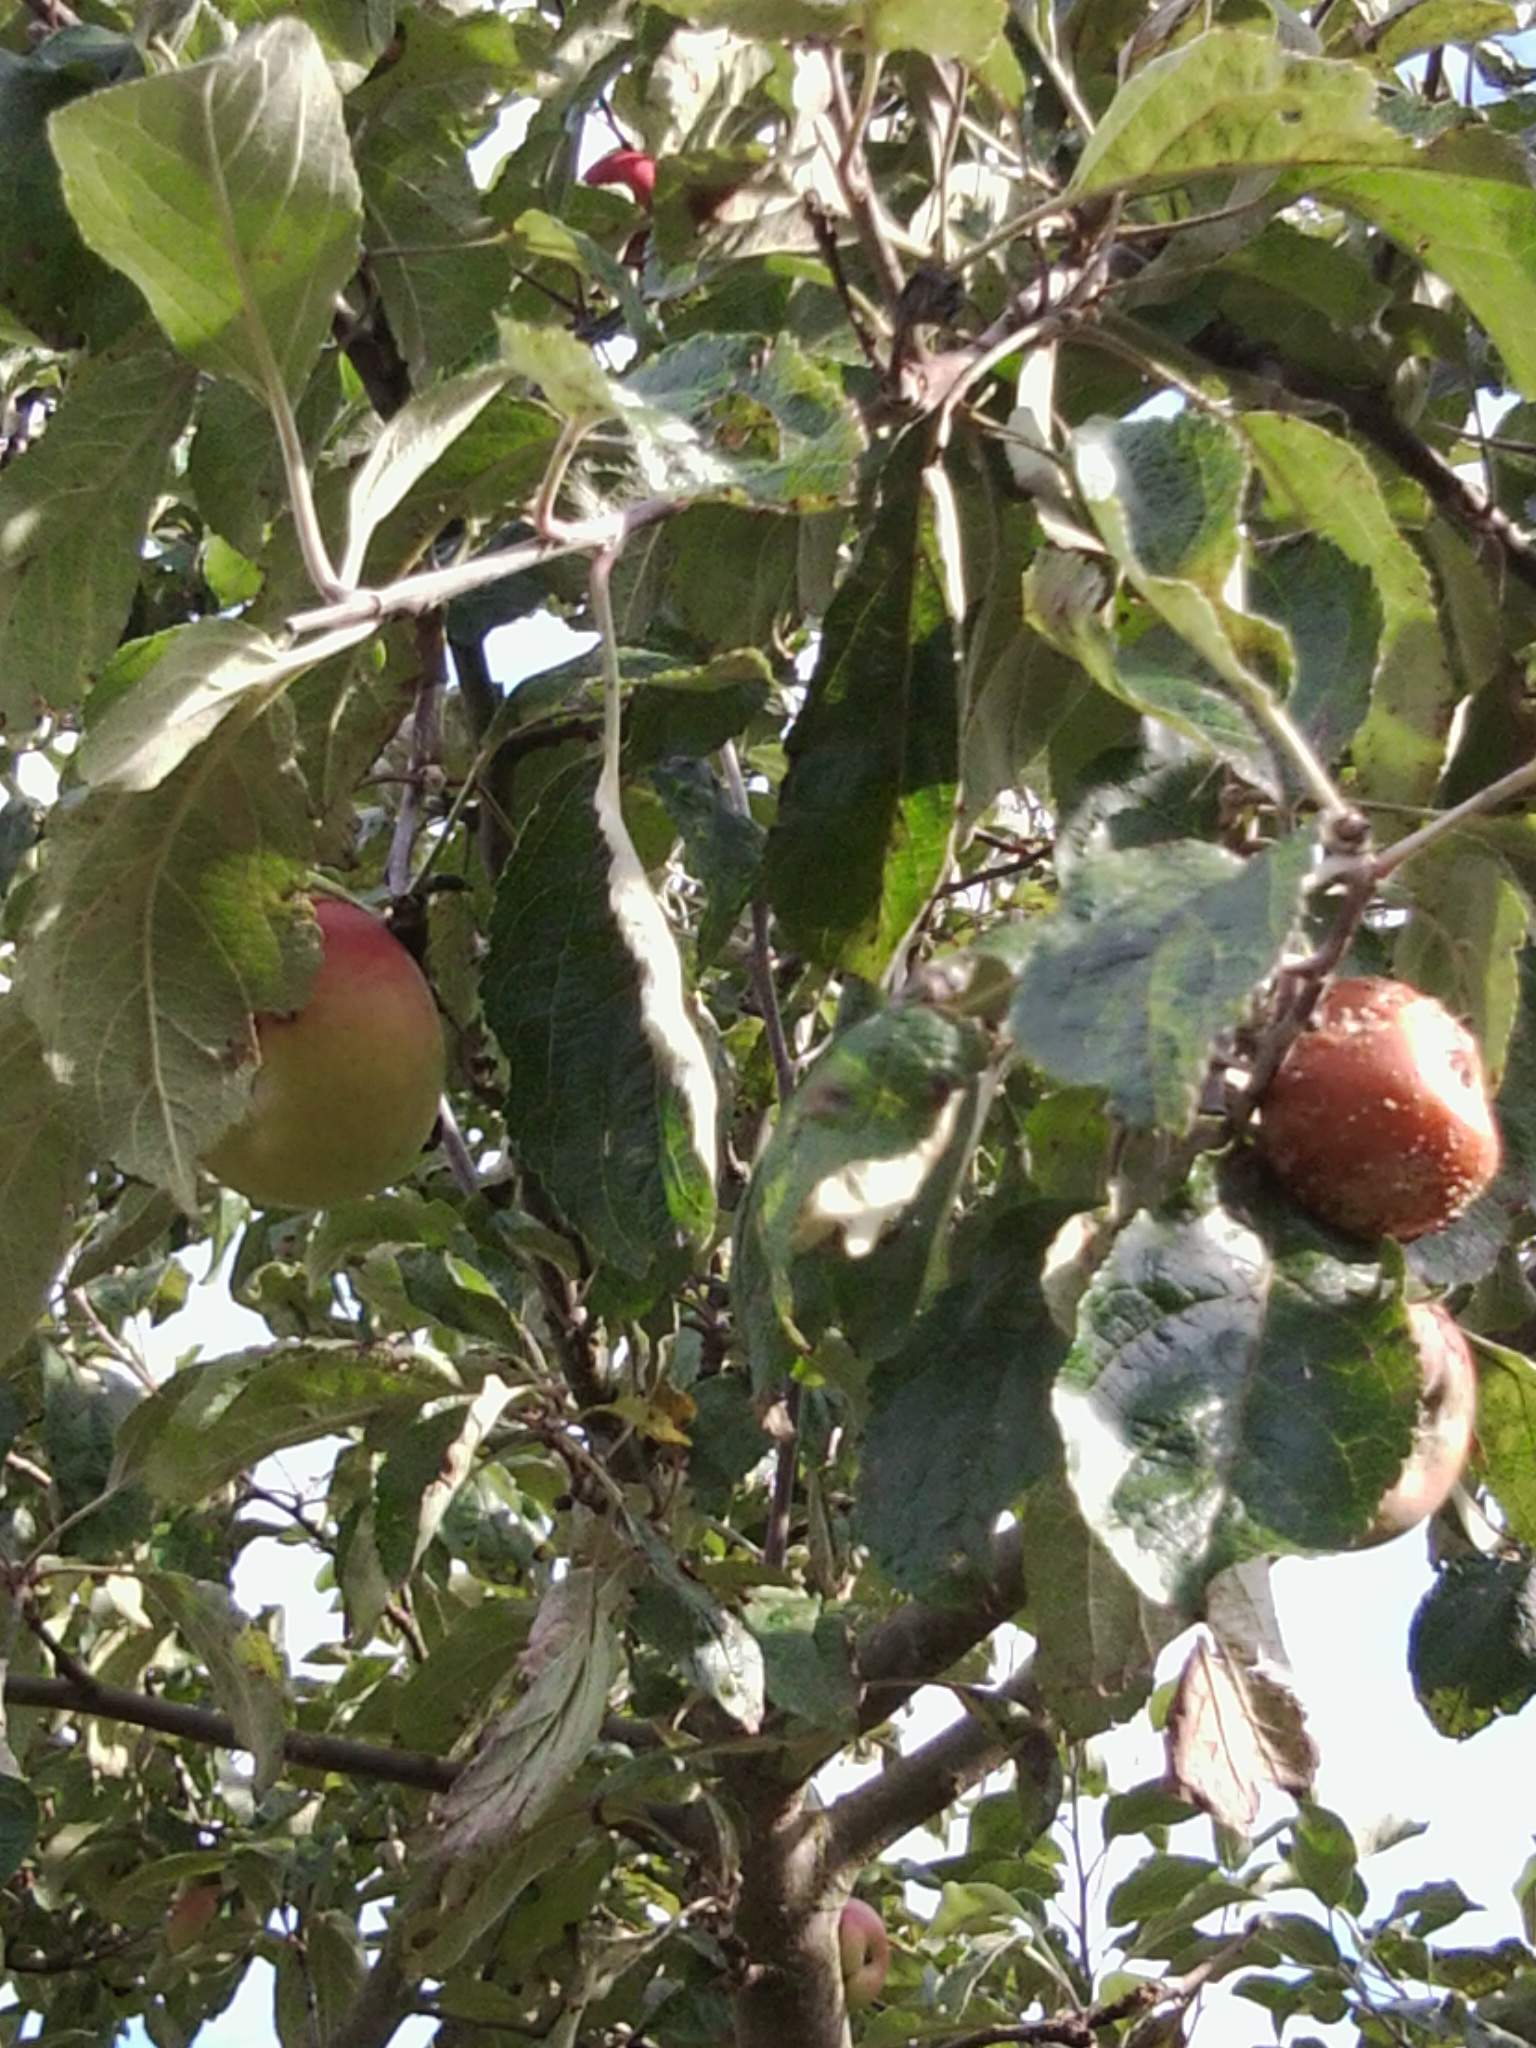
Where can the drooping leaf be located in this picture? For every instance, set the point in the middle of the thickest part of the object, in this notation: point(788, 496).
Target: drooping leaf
point(529, 1753)
point(241, 1660)
point(72, 518)
point(143, 992)
point(1234, 1730)
point(42, 1175)
point(210, 1423)
point(584, 988)
point(1236, 1387)
point(1097, 1632)
point(874, 754)
point(887, 1111)
point(709, 1642)
point(226, 192)
point(1506, 1430)
point(1472, 1648)
point(961, 1423)
point(1152, 953)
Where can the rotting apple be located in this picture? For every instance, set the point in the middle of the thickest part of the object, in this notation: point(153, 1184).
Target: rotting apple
point(1443, 1432)
point(864, 1948)
point(347, 1090)
point(1378, 1119)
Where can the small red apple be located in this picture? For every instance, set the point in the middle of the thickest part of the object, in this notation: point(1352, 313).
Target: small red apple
point(1378, 1117)
point(631, 168)
point(195, 1907)
point(864, 1948)
point(347, 1091)
point(1443, 1434)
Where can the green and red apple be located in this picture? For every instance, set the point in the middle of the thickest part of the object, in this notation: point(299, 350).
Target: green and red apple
point(347, 1091)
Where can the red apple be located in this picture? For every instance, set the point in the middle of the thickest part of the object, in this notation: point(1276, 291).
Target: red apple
point(865, 1951)
point(1443, 1434)
point(631, 168)
point(347, 1091)
point(1378, 1118)
point(195, 1907)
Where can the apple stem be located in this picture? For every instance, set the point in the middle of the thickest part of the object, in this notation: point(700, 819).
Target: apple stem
point(459, 1158)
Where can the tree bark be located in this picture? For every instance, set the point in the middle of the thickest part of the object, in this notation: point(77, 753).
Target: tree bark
point(791, 1994)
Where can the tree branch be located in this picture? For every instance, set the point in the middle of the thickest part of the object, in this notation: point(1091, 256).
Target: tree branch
point(201, 1724)
point(919, 1642)
point(1514, 784)
point(926, 1780)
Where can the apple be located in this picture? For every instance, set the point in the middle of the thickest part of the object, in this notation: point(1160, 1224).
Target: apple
point(631, 168)
point(194, 1909)
point(1443, 1434)
point(864, 1948)
point(1378, 1117)
point(347, 1090)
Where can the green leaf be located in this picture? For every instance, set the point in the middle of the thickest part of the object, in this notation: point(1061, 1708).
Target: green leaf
point(1323, 1855)
point(961, 1423)
point(210, 669)
point(20, 1820)
point(143, 992)
point(51, 286)
point(737, 417)
point(72, 520)
point(226, 192)
point(1097, 1636)
point(1327, 487)
point(1229, 100)
point(1151, 671)
point(1464, 940)
point(1328, 607)
point(1405, 30)
point(710, 1644)
point(584, 989)
point(212, 1422)
point(425, 1465)
point(887, 1112)
point(1465, 209)
point(1166, 496)
point(412, 442)
point(440, 279)
point(1472, 1647)
point(241, 1660)
point(1506, 1430)
point(42, 1176)
point(1236, 1387)
point(1152, 953)
point(528, 1754)
point(807, 1669)
point(317, 1979)
point(442, 1699)
point(964, 31)
point(874, 754)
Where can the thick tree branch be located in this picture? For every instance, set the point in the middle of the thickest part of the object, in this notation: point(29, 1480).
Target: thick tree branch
point(201, 1724)
point(928, 1779)
point(919, 1642)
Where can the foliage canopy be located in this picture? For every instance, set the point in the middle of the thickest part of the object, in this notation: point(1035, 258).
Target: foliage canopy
point(1046, 494)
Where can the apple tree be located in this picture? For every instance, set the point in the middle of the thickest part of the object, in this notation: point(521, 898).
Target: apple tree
point(888, 651)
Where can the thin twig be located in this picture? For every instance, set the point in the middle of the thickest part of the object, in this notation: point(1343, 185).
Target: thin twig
point(1515, 783)
point(408, 596)
point(459, 1158)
